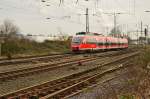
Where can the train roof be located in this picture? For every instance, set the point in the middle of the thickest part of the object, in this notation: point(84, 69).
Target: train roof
point(90, 33)
point(99, 36)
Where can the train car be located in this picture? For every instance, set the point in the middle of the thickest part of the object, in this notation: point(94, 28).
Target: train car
point(123, 43)
point(93, 41)
point(83, 43)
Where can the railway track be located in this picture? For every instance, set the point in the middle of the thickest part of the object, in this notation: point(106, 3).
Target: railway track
point(30, 56)
point(46, 67)
point(42, 58)
point(27, 63)
point(65, 86)
point(28, 60)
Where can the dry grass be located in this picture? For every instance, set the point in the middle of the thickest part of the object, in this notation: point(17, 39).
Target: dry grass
point(23, 46)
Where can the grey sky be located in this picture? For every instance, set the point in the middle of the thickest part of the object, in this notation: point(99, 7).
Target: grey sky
point(30, 15)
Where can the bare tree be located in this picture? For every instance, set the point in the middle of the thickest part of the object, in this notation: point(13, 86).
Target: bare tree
point(8, 33)
point(62, 36)
point(8, 29)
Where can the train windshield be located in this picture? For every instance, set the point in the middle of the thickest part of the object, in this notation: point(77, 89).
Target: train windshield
point(81, 33)
point(77, 40)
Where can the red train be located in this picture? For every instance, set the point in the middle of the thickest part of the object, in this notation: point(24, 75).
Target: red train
point(93, 41)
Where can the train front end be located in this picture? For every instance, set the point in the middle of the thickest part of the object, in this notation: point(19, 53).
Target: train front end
point(76, 43)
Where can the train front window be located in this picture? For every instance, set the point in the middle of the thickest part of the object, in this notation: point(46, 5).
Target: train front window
point(81, 33)
point(77, 40)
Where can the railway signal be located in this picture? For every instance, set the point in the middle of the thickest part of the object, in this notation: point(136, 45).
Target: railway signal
point(145, 32)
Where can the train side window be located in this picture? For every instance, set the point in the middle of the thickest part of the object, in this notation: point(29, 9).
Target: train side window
point(114, 43)
point(110, 43)
point(100, 43)
point(107, 43)
point(91, 41)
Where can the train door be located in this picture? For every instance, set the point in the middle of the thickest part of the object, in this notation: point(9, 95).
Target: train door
point(104, 43)
point(91, 43)
point(100, 43)
point(108, 43)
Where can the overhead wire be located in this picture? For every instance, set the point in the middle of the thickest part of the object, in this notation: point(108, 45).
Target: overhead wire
point(75, 10)
point(21, 9)
point(60, 18)
point(72, 12)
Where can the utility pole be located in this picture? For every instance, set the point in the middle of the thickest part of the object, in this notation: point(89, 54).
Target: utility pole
point(1, 42)
point(87, 20)
point(115, 20)
point(137, 37)
point(107, 28)
point(141, 40)
point(141, 28)
point(0, 49)
point(115, 23)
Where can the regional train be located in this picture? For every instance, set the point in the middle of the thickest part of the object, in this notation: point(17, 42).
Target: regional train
point(83, 41)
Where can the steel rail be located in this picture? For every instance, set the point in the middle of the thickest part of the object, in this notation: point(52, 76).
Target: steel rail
point(12, 74)
point(40, 68)
point(81, 85)
point(32, 56)
point(26, 90)
point(31, 59)
point(43, 58)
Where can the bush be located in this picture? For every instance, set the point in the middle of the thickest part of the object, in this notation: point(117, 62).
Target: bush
point(144, 58)
point(126, 97)
point(25, 46)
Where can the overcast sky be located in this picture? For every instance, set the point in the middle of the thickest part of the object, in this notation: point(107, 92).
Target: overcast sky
point(31, 15)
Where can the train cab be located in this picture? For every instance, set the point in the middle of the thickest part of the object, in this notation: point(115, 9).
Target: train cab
point(76, 42)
